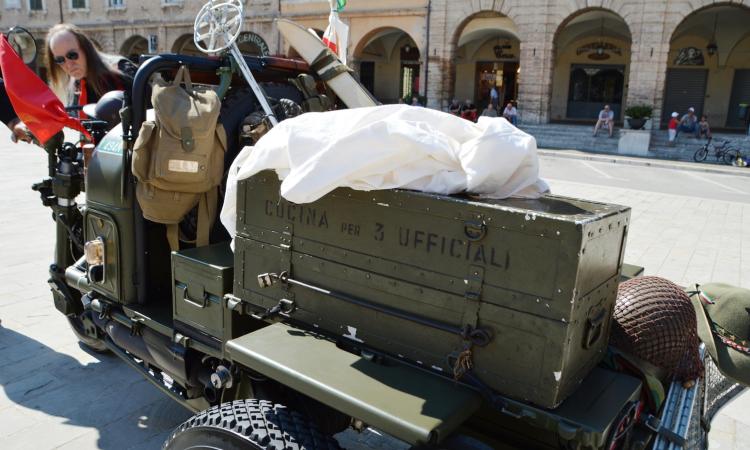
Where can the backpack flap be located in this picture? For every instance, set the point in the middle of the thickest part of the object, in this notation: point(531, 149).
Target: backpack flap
point(187, 126)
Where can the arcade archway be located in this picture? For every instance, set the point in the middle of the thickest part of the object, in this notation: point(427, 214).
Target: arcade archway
point(708, 67)
point(134, 47)
point(591, 66)
point(389, 64)
point(184, 45)
point(487, 55)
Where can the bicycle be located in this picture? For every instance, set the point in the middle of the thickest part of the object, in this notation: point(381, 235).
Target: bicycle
point(725, 151)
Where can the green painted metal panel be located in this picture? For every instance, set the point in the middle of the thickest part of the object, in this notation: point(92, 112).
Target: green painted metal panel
point(201, 278)
point(584, 420)
point(409, 403)
point(539, 275)
point(103, 225)
point(104, 196)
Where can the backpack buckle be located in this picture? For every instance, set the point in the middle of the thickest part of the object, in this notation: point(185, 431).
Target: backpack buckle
point(188, 143)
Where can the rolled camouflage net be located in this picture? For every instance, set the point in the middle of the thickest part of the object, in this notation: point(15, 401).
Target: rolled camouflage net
point(655, 321)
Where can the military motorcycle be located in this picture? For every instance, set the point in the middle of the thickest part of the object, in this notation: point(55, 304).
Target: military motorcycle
point(299, 334)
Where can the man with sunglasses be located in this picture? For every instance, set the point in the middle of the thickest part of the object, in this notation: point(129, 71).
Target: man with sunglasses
point(79, 74)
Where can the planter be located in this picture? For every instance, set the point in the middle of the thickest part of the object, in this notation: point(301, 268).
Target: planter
point(634, 142)
point(636, 124)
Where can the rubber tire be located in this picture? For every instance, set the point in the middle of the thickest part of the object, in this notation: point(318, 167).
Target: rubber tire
point(94, 344)
point(730, 156)
point(249, 424)
point(700, 154)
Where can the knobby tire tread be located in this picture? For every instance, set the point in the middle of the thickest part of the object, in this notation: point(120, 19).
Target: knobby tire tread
point(259, 422)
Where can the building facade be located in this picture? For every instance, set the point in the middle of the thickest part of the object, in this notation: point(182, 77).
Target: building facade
point(559, 60)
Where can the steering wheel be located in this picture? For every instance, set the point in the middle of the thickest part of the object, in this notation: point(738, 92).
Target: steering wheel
point(217, 26)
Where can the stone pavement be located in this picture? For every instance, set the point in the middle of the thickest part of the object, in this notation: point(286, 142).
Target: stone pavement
point(54, 394)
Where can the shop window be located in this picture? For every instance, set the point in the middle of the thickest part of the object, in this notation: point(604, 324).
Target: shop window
point(593, 86)
point(409, 72)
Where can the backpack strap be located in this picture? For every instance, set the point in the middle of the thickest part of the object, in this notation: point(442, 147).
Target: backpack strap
point(173, 230)
point(206, 216)
point(183, 77)
point(186, 133)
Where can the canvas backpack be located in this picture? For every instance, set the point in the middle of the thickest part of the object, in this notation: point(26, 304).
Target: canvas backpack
point(178, 158)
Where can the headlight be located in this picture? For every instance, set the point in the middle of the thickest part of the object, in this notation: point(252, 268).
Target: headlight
point(94, 252)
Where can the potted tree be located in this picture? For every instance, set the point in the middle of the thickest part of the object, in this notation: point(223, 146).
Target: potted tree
point(637, 115)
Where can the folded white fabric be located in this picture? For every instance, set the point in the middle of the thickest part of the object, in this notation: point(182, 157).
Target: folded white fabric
point(386, 147)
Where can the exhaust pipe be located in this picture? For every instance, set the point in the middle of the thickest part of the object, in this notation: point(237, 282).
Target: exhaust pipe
point(75, 276)
point(153, 348)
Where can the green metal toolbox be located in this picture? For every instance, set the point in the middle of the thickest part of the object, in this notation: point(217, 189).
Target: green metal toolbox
point(201, 277)
point(519, 292)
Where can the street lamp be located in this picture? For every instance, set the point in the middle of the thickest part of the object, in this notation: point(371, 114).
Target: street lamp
point(712, 48)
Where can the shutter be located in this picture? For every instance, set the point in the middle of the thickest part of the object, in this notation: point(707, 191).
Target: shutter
point(740, 94)
point(684, 88)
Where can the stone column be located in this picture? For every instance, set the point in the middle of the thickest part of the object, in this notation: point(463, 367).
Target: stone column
point(535, 80)
point(438, 82)
point(648, 58)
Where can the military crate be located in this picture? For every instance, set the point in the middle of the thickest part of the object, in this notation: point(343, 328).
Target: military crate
point(521, 291)
point(201, 277)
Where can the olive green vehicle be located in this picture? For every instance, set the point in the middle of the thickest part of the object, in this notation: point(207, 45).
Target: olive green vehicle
point(445, 321)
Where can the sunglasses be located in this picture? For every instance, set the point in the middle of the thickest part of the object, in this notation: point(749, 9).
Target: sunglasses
point(71, 55)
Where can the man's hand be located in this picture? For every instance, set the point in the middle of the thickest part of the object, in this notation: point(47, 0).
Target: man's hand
point(20, 131)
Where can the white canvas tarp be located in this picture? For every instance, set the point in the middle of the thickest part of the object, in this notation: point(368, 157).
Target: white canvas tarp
point(386, 147)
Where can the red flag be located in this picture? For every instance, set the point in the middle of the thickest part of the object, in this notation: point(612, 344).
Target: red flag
point(34, 102)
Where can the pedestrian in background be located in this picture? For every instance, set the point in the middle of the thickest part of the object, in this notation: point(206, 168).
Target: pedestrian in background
point(495, 97)
point(455, 107)
point(511, 113)
point(606, 119)
point(469, 111)
point(673, 122)
point(489, 111)
point(689, 123)
point(79, 74)
point(704, 129)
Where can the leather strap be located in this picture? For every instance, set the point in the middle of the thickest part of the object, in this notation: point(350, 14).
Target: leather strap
point(701, 316)
point(206, 216)
point(173, 236)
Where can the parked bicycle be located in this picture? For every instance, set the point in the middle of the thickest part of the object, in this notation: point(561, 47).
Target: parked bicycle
point(724, 150)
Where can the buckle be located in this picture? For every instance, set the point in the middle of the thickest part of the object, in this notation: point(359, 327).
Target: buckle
point(652, 422)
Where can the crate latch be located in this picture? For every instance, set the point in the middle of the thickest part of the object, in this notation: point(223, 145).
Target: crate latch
point(285, 262)
point(471, 333)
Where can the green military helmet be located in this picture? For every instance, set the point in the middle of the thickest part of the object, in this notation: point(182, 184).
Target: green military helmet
point(724, 327)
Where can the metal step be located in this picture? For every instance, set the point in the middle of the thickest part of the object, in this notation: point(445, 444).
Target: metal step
point(414, 405)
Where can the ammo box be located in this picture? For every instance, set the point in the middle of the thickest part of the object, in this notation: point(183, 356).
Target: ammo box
point(520, 291)
point(201, 277)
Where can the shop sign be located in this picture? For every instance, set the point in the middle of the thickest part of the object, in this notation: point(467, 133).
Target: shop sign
point(255, 39)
